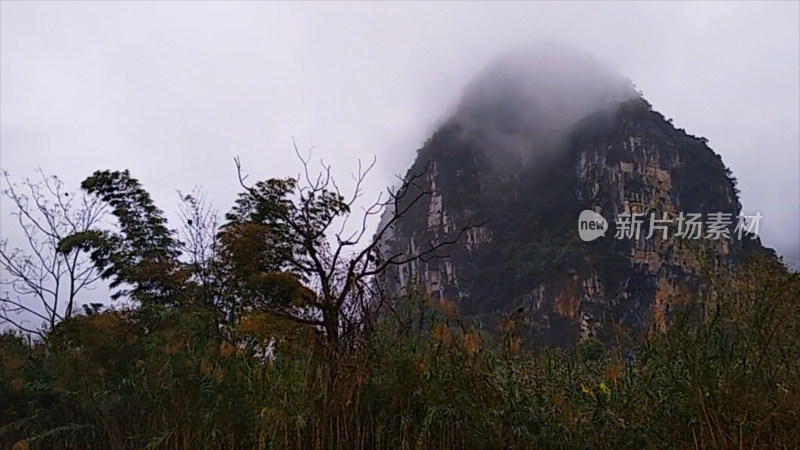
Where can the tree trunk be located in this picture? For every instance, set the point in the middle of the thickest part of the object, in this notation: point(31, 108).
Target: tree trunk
point(330, 317)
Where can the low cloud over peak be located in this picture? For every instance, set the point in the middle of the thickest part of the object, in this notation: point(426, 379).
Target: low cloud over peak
point(537, 94)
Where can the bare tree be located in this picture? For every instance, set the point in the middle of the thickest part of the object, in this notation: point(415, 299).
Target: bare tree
point(199, 240)
point(338, 264)
point(36, 281)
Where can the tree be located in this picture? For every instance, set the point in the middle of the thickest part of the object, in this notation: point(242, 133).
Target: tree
point(284, 248)
point(142, 258)
point(200, 246)
point(283, 227)
point(38, 281)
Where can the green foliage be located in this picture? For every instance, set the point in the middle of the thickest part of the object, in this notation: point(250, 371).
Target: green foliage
point(423, 378)
point(183, 375)
point(143, 254)
point(289, 217)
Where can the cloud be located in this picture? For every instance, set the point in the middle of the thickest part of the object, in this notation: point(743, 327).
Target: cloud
point(174, 90)
point(528, 100)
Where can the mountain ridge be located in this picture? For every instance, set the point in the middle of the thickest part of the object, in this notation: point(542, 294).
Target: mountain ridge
point(526, 254)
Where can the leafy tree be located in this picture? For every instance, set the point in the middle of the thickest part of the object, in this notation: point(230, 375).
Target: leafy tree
point(143, 254)
point(278, 239)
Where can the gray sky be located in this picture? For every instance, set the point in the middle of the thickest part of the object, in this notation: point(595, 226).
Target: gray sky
point(174, 90)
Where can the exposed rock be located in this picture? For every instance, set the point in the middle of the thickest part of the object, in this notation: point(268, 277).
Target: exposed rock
point(522, 159)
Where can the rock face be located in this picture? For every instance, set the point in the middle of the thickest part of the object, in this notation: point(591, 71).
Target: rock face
point(538, 137)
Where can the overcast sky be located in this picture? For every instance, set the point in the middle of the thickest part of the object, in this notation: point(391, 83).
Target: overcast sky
point(174, 90)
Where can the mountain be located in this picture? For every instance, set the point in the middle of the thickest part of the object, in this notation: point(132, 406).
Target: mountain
point(538, 137)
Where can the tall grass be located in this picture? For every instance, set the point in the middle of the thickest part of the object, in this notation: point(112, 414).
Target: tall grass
point(423, 378)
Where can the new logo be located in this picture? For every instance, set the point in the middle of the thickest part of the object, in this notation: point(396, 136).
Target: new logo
point(591, 225)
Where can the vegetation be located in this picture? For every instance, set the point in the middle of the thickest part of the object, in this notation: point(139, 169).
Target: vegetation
point(266, 332)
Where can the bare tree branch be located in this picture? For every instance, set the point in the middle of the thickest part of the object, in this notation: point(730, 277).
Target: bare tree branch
point(342, 266)
point(39, 281)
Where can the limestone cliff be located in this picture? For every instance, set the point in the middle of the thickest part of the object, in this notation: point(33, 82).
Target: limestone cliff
point(538, 138)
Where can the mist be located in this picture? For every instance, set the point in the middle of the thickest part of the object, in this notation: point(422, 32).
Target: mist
point(174, 90)
point(527, 100)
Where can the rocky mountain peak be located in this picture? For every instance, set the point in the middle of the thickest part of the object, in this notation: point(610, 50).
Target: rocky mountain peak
point(539, 137)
